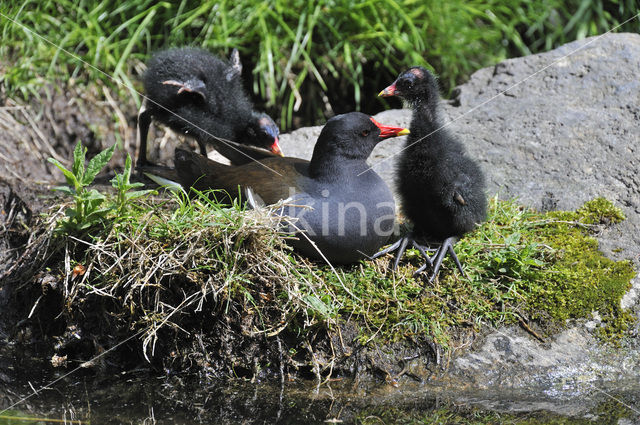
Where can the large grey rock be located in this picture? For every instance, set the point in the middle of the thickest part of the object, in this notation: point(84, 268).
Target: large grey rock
point(553, 130)
point(566, 131)
point(556, 130)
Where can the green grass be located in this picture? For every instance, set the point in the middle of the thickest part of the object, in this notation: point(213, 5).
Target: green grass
point(303, 60)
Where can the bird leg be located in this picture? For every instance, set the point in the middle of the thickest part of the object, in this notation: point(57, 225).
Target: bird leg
point(446, 247)
point(401, 245)
point(203, 148)
point(144, 121)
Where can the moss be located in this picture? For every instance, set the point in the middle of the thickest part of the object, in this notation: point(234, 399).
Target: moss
point(521, 265)
point(599, 211)
point(582, 280)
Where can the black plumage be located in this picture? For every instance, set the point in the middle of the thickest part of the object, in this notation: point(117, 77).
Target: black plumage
point(441, 188)
point(198, 94)
point(344, 207)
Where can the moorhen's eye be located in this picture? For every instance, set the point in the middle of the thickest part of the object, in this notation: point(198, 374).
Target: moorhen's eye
point(364, 133)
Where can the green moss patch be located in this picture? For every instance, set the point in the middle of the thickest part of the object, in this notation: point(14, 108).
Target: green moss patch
point(522, 266)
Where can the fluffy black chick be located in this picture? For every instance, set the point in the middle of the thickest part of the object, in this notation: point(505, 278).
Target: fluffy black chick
point(197, 94)
point(442, 190)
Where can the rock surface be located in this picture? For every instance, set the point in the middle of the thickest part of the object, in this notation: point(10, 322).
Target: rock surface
point(553, 130)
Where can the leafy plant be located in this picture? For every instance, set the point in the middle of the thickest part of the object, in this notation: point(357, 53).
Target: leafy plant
point(89, 208)
point(515, 259)
point(123, 185)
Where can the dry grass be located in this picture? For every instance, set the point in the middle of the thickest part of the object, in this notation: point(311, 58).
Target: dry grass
point(178, 268)
point(212, 255)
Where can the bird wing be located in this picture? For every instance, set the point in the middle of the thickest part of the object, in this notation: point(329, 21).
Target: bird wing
point(271, 179)
point(458, 198)
point(192, 85)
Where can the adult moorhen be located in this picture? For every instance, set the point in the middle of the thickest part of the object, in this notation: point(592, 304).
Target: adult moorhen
point(442, 190)
point(344, 207)
point(196, 93)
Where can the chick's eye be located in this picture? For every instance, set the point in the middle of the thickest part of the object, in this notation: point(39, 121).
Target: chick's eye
point(364, 133)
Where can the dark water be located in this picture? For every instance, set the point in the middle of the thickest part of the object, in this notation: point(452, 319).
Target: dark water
point(134, 399)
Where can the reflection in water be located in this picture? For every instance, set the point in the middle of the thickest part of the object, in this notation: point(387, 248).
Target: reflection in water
point(130, 399)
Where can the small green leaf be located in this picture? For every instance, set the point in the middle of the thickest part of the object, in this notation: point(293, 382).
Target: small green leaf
point(64, 189)
point(137, 194)
point(512, 239)
point(127, 170)
point(93, 195)
point(98, 214)
point(69, 176)
point(534, 262)
point(78, 161)
point(97, 163)
point(317, 305)
point(116, 181)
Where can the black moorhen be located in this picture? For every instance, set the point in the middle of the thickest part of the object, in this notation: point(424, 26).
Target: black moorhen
point(442, 190)
point(346, 209)
point(195, 93)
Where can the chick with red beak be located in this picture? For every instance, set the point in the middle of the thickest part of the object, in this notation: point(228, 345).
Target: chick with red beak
point(202, 96)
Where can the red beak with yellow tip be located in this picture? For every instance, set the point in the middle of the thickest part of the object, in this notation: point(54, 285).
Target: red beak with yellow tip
point(389, 91)
point(387, 131)
point(275, 148)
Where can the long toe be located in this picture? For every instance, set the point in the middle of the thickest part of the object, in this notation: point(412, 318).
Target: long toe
point(403, 246)
point(421, 269)
point(446, 247)
point(424, 252)
point(387, 250)
point(400, 246)
point(456, 260)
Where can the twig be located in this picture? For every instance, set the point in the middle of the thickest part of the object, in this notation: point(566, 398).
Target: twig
point(529, 330)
